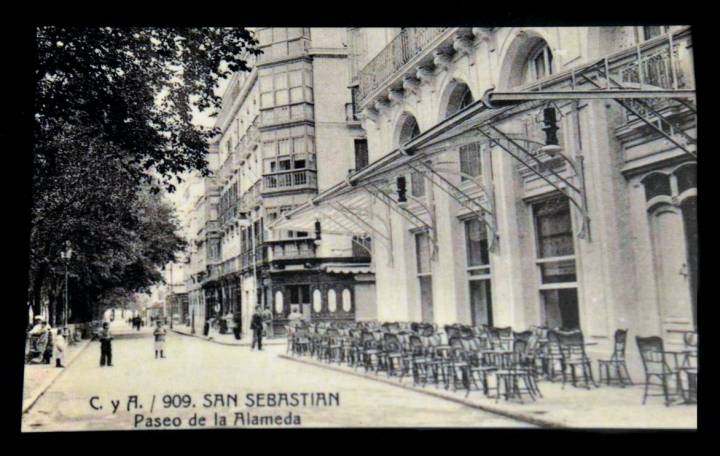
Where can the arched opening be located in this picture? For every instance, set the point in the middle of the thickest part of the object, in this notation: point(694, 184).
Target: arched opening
point(460, 97)
point(527, 59)
point(409, 129)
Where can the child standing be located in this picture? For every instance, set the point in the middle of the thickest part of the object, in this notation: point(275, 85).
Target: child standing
point(159, 334)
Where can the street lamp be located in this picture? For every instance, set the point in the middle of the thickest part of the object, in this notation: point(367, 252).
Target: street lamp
point(66, 255)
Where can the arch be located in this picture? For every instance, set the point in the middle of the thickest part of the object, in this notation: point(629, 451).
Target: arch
point(522, 45)
point(279, 302)
point(406, 128)
point(332, 300)
point(456, 96)
point(346, 300)
point(317, 301)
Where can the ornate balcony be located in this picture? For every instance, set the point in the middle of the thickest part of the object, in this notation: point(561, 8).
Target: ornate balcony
point(291, 249)
point(288, 181)
point(405, 51)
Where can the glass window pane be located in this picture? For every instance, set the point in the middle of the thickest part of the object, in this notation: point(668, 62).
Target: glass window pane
point(560, 309)
point(476, 243)
point(296, 95)
point(284, 147)
point(553, 228)
point(266, 83)
point(266, 100)
point(480, 303)
point(280, 49)
point(281, 97)
point(417, 184)
point(294, 32)
point(296, 78)
point(299, 145)
point(470, 163)
point(265, 36)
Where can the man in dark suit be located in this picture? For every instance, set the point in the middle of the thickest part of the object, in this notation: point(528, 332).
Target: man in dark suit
point(105, 345)
point(256, 325)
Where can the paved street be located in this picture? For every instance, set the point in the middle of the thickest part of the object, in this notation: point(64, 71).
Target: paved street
point(196, 368)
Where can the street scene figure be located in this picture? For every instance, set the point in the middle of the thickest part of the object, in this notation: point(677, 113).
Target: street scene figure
point(105, 345)
point(159, 333)
point(39, 342)
point(257, 326)
point(59, 349)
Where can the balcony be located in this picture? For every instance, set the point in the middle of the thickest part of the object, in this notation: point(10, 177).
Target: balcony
point(249, 199)
point(212, 226)
point(351, 114)
point(291, 249)
point(289, 181)
point(406, 49)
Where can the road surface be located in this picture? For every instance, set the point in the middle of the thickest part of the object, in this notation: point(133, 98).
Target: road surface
point(202, 379)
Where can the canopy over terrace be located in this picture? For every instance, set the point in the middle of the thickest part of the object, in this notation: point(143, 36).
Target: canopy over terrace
point(350, 207)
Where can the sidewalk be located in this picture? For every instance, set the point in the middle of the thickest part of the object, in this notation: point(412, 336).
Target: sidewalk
point(604, 407)
point(226, 339)
point(37, 378)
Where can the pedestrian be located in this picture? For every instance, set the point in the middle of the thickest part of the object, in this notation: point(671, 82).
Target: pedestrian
point(59, 349)
point(105, 345)
point(256, 325)
point(159, 334)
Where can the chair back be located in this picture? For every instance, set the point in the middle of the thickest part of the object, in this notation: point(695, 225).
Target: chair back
point(427, 330)
point(391, 343)
point(553, 343)
point(620, 345)
point(652, 353)
point(572, 345)
point(452, 331)
point(523, 335)
point(416, 345)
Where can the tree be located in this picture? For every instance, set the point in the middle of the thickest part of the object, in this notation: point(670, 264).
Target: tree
point(113, 127)
point(136, 88)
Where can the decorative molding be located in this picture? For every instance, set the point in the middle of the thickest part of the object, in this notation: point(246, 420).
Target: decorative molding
point(441, 59)
point(396, 96)
point(464, 45)
point(411, 84)
point(425, 75)
point(482, 34)
point(381, 105)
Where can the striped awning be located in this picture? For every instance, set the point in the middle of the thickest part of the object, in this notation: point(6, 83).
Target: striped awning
point(347, 268)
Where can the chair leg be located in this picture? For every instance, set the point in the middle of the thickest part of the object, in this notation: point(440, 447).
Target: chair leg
point(627, 374)
point(647, 384)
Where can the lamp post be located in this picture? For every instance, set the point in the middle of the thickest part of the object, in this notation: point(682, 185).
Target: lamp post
point(66, 255)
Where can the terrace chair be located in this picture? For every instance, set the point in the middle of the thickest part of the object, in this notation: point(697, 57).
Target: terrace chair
point(616, 362)
point(300, 341)
point(418, 361)
point(438, 357)
point(393, 356)
point(652, 352)
point(572, 346)
point(371, 349)
point(478, 369)
point(518, 378)
point(552, 357)
point(458, 365)
point(690, 365)
point(452, 331)
point(333, 346)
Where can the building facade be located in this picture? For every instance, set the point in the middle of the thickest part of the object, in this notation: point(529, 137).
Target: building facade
point(477, 220)
point(286, 127)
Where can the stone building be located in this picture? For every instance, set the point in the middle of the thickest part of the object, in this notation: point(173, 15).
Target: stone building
point(525, 176)
point(286, 127)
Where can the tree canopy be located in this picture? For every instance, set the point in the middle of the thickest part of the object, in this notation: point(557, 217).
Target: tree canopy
point(113, 127)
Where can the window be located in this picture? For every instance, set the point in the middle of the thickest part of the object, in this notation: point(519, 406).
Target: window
point(540, 63)
point(361, 154)
point(556, 261)
point(470, 160)
point(346, 300)
point(417, 184)
point(317, 301)
point(409, 130)
point(285, 85)
point(460, 98)
point(424, 273)
point(478, 270)
point(651, 31)
point(332, 300)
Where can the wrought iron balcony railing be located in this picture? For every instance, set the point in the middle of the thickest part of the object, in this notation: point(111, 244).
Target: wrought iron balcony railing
point(402, 49)
point(290, 180)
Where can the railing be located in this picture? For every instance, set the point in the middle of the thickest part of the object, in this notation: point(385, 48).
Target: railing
point(289, 180)
point(403, 48)
point(662, 67)
point(288, 249)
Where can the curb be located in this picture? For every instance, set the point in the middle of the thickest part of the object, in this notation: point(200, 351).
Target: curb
point(490, 409)
point(230, 344)
point(45, 386)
